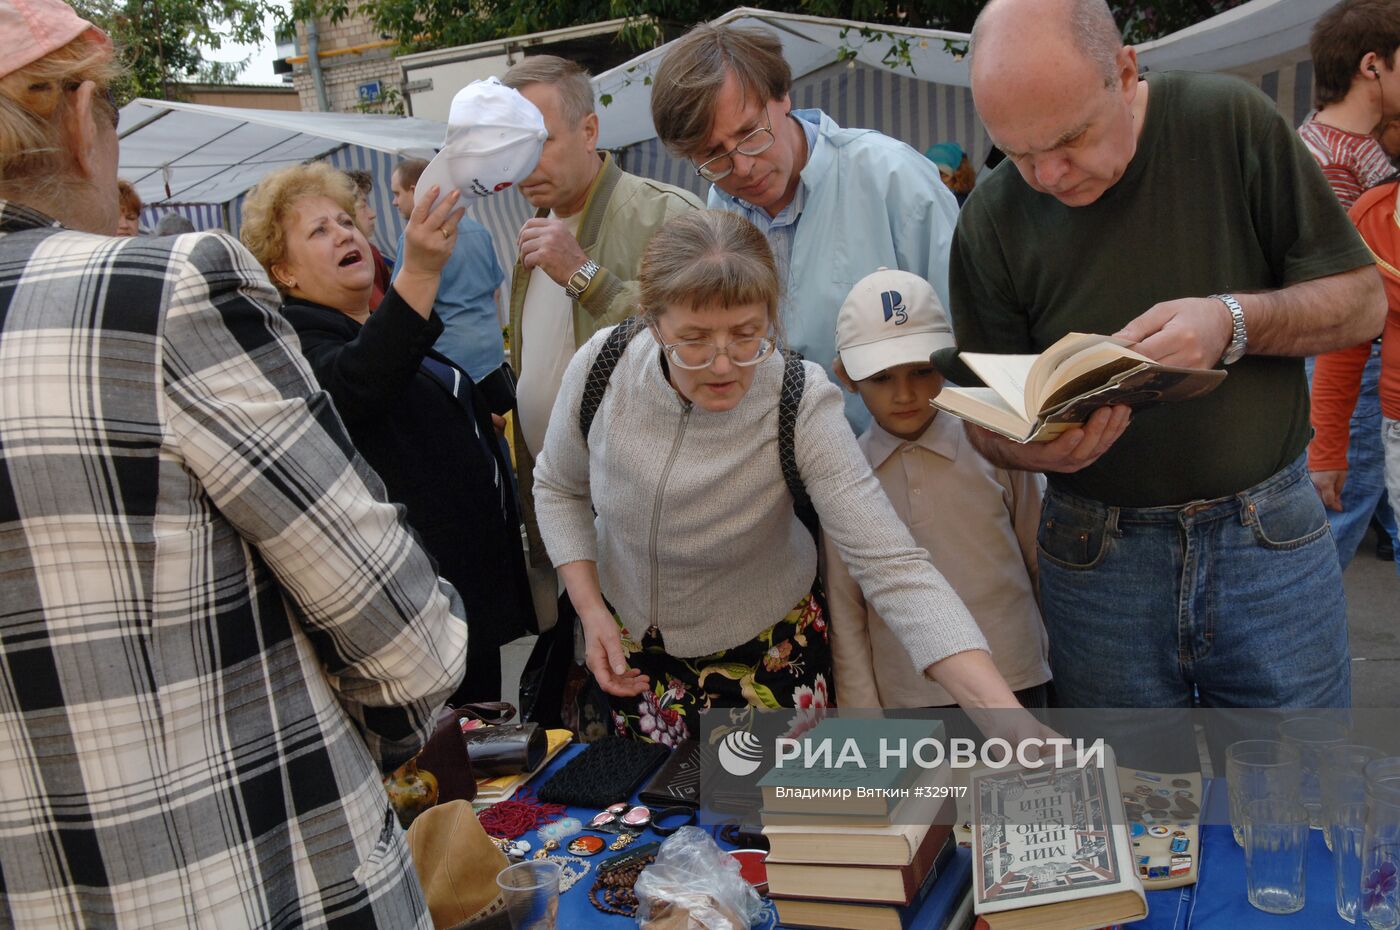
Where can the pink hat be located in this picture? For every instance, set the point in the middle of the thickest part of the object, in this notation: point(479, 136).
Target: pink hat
point(31, 29)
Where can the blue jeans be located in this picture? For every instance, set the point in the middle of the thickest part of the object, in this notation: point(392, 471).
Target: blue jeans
point(1390, 443)
point(1363, 494)
point(1235, 602)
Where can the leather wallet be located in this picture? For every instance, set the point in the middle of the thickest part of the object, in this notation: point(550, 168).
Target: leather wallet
point(498, 389)
point(507, 749)
point(678, 781)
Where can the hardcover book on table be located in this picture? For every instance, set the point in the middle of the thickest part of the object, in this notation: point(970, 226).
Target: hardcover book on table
point(875, 884)
point(1051, 849)
point(854, 844)
point(935, 908)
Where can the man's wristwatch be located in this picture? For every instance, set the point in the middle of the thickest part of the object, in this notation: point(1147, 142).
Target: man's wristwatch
point(579, 280)
point(1239, 340)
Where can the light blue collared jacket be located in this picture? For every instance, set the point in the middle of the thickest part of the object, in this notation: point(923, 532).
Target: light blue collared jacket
point(871, 201)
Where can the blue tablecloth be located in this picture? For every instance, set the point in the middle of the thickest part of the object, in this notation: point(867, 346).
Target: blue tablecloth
point(1216, 902)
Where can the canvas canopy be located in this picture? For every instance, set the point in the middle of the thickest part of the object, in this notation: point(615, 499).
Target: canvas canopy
point(200, 161)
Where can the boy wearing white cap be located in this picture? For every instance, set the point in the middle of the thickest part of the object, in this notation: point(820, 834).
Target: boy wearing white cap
point(978, 522)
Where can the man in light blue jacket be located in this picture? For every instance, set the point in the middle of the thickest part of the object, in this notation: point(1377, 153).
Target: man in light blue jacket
point(835, 204)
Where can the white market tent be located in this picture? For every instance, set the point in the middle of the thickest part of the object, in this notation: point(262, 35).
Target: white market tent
point(201, 160)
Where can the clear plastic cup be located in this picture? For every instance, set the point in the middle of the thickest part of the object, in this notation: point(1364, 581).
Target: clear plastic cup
point(531, 893)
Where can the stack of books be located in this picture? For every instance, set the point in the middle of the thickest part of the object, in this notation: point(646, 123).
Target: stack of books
point(879, 862)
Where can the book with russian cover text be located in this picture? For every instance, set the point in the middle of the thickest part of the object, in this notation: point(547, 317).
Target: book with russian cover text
point(1051, 849)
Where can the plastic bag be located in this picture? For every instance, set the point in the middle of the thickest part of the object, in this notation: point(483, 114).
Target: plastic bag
point(695, 885)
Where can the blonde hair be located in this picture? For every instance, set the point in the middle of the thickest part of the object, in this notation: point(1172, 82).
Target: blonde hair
point(693, 71)
point(708, 259)
point(272, 202)
point(34, 101)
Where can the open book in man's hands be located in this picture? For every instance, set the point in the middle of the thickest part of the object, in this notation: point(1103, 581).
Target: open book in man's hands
point(1034, 398)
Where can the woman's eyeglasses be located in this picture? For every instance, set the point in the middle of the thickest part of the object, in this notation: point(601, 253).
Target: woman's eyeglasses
point(695, 354)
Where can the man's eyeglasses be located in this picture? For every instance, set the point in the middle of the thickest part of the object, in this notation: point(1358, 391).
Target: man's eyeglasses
point(695, 354)
point(755, 143)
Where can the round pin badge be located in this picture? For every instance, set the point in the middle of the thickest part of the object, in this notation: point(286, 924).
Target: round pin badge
point(1164, 792)
point(1158, 830)
point(1183, 793)
point(1158, 803)
point(1181, 783)
point(1137, 830)
point(586, 846)
point(1143, 790)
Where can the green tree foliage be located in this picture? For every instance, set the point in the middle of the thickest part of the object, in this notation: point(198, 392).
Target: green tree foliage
point(162, 42)
point(426, 24)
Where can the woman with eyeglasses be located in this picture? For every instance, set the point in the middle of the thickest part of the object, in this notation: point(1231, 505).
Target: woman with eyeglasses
point(694, 582)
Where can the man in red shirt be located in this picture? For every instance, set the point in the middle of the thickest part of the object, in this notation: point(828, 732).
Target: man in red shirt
point(1357, 88)
point(1336, 383)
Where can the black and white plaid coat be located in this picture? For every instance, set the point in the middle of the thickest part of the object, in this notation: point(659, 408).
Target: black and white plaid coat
point(213, 632)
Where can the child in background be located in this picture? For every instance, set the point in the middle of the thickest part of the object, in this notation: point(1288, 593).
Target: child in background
point(978, 522)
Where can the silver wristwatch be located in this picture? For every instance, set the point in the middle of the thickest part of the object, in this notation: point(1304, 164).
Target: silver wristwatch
point(1239, 340)
point(579, 280)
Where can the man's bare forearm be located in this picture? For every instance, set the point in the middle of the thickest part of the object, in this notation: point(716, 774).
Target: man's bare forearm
point(1316, 316)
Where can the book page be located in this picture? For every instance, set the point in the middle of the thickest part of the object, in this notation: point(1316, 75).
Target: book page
point(985, 407)
point(1005, 374)
point(1050, 359)
point(1082, 366)
point(1038, 384)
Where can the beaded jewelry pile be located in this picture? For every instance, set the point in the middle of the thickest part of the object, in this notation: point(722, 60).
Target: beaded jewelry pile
point(521, 813)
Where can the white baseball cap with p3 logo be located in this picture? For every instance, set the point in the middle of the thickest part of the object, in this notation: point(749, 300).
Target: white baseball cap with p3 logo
point(494, 140)
point(890, 318)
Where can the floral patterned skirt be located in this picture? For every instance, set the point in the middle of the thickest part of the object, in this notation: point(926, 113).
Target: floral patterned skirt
point(787, 665)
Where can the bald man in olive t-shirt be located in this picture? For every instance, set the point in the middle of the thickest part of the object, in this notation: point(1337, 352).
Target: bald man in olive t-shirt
point(1185, 552)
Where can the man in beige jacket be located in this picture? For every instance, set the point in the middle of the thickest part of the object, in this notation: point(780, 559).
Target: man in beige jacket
point(578, 258)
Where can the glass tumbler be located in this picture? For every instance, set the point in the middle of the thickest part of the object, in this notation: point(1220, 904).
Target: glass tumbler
point(1314, 737)
point(1342, 778)
point(1380, 846)
point(1259, 770)
point(1275, 854)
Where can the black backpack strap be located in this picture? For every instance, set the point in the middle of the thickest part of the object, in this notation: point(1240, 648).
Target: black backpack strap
point(600, 373)
point(794, 384)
